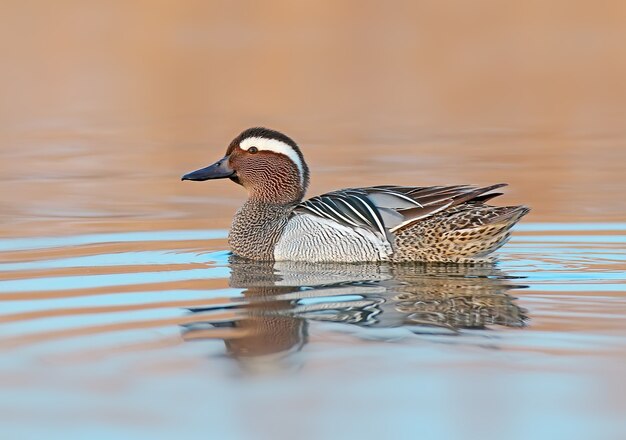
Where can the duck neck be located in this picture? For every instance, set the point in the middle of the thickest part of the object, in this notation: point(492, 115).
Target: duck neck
point(257, 227)
point(276, 192)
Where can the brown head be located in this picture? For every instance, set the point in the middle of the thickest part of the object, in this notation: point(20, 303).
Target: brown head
point(267, 163)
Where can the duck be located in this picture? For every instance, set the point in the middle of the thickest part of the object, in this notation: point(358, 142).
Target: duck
point(386, 223)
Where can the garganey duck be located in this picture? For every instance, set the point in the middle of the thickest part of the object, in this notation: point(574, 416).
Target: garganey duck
point(378, 223)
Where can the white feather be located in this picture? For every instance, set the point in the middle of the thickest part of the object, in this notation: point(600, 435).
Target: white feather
point(276, 146)
point(311, 238)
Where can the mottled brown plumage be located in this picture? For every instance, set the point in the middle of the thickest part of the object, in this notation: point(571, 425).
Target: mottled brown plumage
point(466, 233)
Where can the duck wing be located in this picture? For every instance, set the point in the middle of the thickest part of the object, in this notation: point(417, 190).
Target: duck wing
point(385, 209)
point(349, 207)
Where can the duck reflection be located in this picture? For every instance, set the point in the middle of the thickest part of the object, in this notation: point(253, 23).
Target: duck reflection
point(269, 324)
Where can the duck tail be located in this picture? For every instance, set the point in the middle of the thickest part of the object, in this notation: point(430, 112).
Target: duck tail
point(481, 240)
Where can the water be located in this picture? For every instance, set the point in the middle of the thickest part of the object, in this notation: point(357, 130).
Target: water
point(162, 333)
point(122, 315)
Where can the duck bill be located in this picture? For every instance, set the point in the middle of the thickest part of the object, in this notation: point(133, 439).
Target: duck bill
point(219, 170)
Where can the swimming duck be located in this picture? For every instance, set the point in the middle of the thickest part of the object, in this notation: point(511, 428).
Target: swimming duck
point(447, 224)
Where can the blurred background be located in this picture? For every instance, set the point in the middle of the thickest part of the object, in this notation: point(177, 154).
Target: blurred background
point(103, 251)
point(105, 104)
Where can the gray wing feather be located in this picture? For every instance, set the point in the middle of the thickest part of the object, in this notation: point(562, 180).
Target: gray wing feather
point(385, 209)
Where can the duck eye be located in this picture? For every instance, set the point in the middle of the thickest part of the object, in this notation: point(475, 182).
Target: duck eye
point(253, 150)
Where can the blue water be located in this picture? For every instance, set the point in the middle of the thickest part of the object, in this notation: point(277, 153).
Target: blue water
point(179, 339)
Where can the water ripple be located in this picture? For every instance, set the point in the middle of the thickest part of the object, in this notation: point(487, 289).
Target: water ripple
point(52, 297)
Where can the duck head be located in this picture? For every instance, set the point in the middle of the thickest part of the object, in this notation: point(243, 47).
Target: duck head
point(267, 163)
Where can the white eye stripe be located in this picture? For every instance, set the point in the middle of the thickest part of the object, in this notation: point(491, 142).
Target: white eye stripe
point(276, 146)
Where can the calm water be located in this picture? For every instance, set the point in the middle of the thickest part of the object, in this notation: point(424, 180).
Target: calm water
point(163, 333)
point(122, 314)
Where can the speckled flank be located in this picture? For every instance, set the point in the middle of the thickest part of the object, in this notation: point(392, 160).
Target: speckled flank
point(463, 234)
point(310, 238)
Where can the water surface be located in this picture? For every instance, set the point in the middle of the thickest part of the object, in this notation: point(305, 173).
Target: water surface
point(122, 314)
point(164, 332)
